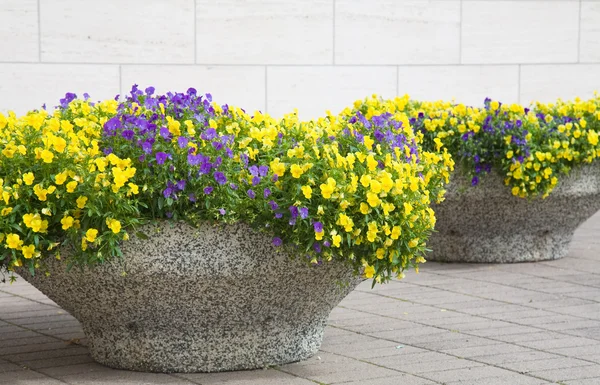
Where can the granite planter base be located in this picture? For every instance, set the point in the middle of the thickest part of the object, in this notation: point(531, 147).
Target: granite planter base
point(199, 300)
point(486, 223)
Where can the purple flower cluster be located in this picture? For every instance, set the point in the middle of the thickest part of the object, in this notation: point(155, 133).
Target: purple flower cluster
point(385, 130)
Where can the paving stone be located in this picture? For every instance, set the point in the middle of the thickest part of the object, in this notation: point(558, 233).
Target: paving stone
point(582, 323)
point(531, 338)
point(405, 379)
point(474, 351)
point(544, 364)
point(56, 362)
point(380, 324)
point(341, 371)
point(479, 324)
point(506, 379)
point(6, 366)
point(122, 377)
point(267, 377)
point(504, 331)
point(586, 381)
point(399, 335)
point(54, 325)
point(15, 332)
point(27, 377)
point(375, 348)
point(576, 373)
point(381, 350)
point(542, 321)
point(468, 375)
point(424, 362)
point(63, 350)
point(458, 343)
point(347, 338)
point(519, 356)
point(15, 350)
point(31, 322)
point(548, 344)
point(593, 332)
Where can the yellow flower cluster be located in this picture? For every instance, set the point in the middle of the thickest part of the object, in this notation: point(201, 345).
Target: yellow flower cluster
point(531, 147)
point(55, 177)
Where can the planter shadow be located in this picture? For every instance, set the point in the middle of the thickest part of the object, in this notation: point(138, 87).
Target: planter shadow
point(487, 224)
point(199, 300)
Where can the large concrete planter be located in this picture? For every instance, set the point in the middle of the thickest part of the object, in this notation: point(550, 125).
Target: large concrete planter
point(199, 300)
point(486, 223)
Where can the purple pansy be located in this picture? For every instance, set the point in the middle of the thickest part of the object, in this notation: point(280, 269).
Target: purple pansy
point(303, 212)
point(220, 177)
point(182, 142)
point(161, 157)
point(318, 226)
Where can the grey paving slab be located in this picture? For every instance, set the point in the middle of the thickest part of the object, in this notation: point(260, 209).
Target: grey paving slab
point(27, 377)
point(120, 377)
point(6, 366)
point(574, 373)
point(545, 364)
point(522, 324)
point(267, 377)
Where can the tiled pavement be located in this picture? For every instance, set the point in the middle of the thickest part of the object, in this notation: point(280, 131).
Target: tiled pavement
point(521, 324)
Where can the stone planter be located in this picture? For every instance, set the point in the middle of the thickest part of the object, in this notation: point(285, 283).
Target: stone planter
point(199, 300)
point(487, 224)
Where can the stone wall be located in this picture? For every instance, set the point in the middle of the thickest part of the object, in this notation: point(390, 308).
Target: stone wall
point(275, 55)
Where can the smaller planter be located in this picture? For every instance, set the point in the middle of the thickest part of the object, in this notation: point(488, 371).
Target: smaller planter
point(486, 223)
point(199, 300)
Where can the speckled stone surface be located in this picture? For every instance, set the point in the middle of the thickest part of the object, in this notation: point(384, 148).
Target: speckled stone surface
point(199, 300)
point(486, 223)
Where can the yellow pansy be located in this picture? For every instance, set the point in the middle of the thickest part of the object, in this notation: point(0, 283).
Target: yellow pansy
point(28, 251)
point(81, 201)
point(365, 180)
point(336, 240)
point(91, 235)
point(28, 178)
point(364, 208)
point(371, 163)
point(13, 241)
point(296, 171)
point(67, 222)
point(373, 199)
point(71, 186)
point(60, 178)
point(307, 191)
point(133, 189)
point(277, 167)
point(47, 156)
point(375, 186)
point(114, 225)
point(328, 188)
point(369, 271)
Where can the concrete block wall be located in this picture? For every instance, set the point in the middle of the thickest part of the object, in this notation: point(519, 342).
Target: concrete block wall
point(275, 55)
